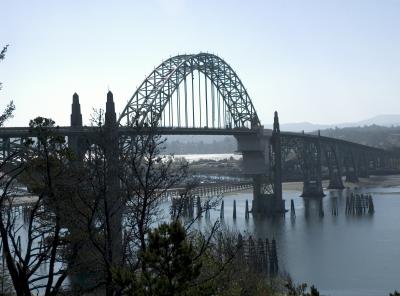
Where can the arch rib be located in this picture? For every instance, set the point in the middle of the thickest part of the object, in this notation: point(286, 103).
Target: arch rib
point(148, 102)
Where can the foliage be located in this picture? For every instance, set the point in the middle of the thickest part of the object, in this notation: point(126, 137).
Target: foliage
point(7, 113)
point(77, 209)
point(171, 265)
point(3, 52)
point(43, 166)
point(2, 55)
point(300, 290)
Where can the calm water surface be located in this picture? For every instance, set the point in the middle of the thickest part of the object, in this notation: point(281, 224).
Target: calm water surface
point(341, 255)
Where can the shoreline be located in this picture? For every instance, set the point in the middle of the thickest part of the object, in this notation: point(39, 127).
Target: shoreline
point(383, 181)
point(372, 181)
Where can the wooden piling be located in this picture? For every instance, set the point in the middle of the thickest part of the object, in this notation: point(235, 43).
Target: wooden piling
point(246, 214)
point(292, 210)
point(274, 257)
point(199, 210)
point(321, 209)
point(208, 209)
point(371, 208)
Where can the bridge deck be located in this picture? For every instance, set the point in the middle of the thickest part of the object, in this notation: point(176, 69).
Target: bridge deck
point(20, 132)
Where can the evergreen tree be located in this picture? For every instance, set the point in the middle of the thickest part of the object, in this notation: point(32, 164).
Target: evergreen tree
point(171, 265)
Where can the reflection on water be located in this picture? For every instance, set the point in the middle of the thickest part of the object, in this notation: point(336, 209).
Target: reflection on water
point(341, 255)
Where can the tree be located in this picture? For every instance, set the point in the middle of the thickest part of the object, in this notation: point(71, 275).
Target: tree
point(77, 209)
point(97, 207)
point(44, 167)
point(146, 176)
point(300, 290)
point(7, 113)
point(171, 265)
point(118, 199)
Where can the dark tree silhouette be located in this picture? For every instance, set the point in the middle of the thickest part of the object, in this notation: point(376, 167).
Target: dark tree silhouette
point(43, 167)
point(7, 113)
point(172, 265)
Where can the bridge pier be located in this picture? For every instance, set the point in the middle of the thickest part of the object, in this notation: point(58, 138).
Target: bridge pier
point(311, 167)
point(334, 167)
point(82, 276)
point(113, 186)
point(351, 167)
point(312, 189)
point(5, 147)
point(261, 153)
point(363, 165)
point(351, 175)
point(75, 142)
point(79, 276)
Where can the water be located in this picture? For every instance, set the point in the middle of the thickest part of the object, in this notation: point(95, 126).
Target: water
point(195, 157)
point(340, 255)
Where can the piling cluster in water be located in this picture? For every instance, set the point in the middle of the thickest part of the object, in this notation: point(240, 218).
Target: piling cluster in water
point(184, 205)
point(359, 204)
point(246, 211)
point(209, 190)
point(356, 205)
point(258, 255)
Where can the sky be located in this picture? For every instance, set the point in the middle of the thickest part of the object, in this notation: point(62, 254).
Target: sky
point(320, 61)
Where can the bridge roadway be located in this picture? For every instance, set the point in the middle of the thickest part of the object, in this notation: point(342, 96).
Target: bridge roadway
point(192, 94)
point(25, 132)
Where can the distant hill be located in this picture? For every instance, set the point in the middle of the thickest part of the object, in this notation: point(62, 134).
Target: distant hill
point(382, 120)
point(371, 135)
point(302, 126)
point(380, 131)
point(200, 145)
point(386, 120)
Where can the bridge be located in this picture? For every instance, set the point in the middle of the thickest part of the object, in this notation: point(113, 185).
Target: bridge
point(200, 94)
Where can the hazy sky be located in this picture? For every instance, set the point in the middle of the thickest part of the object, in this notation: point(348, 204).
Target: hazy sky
point(323, 61)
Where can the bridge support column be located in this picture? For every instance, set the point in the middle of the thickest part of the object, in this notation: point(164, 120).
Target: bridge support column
point(263, 164)
point(311, 166)
point(351, 175)
point(312, 189)
point(6, 150)
point(277, 162)
point(74, 142)
point(351, 168)
point(79, 276)
point(334, 167)
point(112, 188)
point(363, 165)
point(86, 270)
point(267, 196)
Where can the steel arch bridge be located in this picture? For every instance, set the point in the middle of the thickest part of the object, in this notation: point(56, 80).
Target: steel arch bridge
point(173, 95)
point(200, 94)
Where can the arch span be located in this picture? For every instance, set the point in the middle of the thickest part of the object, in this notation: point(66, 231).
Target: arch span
point(148, 103)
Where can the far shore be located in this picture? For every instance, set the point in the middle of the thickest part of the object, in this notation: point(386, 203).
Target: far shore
point(373, 181)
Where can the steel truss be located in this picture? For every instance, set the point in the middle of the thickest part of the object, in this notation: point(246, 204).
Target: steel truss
point(150, 100)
